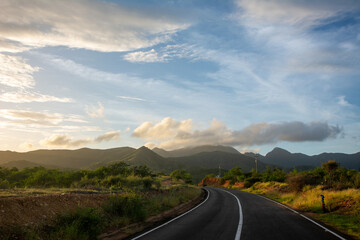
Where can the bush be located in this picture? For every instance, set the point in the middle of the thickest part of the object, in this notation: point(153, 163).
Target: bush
point(81, 224)
point(129, 205)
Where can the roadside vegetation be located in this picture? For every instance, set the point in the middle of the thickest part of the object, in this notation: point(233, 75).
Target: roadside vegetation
point(134, 194)
point(302, 190)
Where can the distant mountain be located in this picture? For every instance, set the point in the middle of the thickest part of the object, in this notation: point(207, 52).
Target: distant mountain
point(183, 152)
point(144, 156)
point(285, 159)
point(226, 160)
point(21, 164)
point(76, 159)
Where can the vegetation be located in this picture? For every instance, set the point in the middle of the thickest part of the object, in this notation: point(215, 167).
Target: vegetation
point(302, 190)
point(181, 174)
point(136, 195)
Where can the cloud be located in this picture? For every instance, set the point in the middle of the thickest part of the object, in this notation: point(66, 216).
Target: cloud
point(23, 120)
point(15, 72)
point(163, 54)
point(94, 111)
point(303, 14)
point(132, 98)
point(167, 128)
point(26, 97)
point(65, 140)
point(342, 102)
point(86, 24)
point(173, 134)
point(109, 136)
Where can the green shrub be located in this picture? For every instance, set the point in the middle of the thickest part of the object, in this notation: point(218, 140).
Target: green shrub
point(129, 205)
point(81, 224)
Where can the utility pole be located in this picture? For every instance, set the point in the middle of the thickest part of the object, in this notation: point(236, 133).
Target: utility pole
point(256, 163)
point(219, 171)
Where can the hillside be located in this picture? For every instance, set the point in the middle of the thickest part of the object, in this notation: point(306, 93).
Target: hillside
point(183, 152)
point(144, 156)
point(212, 160)
point(76, 159)
point(285, 159)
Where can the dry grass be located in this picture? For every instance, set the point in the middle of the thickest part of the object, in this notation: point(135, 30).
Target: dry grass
point(343, 206)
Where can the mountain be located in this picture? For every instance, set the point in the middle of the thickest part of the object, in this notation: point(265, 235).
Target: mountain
point(226, 160)
point(144, 156)
point(21, 164)
point(285, 159)
point(183, 152)
point(76, 159)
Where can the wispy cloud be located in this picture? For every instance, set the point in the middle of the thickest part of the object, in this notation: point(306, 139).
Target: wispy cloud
point(175, 134)
point(95, 111)
point(26, 97)
point(164, 54)
point(136, 99)
point(15, 72)
point(65, 140)
point(93, 25)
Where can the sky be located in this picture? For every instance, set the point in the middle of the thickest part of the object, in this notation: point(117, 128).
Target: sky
point(252, 74)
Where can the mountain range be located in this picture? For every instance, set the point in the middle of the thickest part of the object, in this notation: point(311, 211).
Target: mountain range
point(199, 161)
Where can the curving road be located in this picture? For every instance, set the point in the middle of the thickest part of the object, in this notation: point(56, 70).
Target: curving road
point(232, 214)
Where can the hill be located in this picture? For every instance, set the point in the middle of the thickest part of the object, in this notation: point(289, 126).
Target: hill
point(226, 160)
point(21, 164)
point(285, 159)
point(76, 159)
point(183, 152)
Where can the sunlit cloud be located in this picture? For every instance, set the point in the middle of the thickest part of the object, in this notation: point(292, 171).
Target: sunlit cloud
point(93, 25)
point(15, 72)
point(174, 134)
point(26, 97)
point(95, 111)
point(65, 140)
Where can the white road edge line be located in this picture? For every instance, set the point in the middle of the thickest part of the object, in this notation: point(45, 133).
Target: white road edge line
point(145, 233)
point(241, 219)
point(309, 219)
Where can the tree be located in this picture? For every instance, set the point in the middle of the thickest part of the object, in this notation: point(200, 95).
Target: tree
point(181, 174)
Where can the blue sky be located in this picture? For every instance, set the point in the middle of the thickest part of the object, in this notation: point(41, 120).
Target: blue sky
point(252, 74)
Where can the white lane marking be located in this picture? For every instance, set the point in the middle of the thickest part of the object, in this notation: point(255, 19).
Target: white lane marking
point(326, 229)
point(151, 230)
point(241, 219)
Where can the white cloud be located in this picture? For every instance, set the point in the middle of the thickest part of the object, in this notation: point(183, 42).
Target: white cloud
point(164, 54)
point(26, 97)
point(342, 101)
point(87, 24)
point(299, 13)
point(65, 140)
point(132, 98)
point(95, 111)
point(173, 134)
point(167, 128)
point(15, 72)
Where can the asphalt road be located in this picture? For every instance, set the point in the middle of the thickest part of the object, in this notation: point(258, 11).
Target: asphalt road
point(231, 214)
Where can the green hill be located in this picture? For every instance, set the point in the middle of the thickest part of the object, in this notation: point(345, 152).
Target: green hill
point(183, 152)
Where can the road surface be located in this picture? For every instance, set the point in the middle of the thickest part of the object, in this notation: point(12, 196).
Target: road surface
point(231, 214)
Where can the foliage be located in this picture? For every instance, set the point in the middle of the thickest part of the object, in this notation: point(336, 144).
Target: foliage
point(181, 174)
point(119, 175)
point(128, 205)
point(83, 224)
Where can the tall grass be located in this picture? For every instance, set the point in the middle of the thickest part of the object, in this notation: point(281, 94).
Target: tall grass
point(343, 206)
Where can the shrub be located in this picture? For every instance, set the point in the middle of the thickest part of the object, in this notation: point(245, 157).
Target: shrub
point(82, 224)
point(129, 205)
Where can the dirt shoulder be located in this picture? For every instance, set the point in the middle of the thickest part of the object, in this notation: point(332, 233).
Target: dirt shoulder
point(153, 221)
point(34, 210)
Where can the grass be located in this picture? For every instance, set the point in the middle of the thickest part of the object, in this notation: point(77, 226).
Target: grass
point(343, 206)
point(87, 223)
